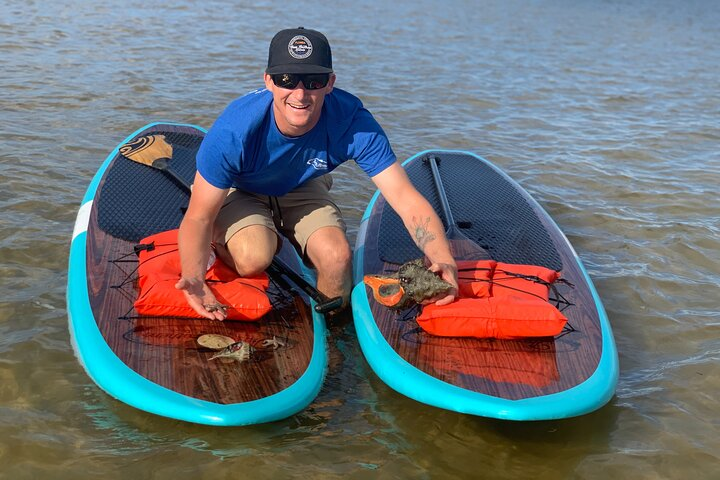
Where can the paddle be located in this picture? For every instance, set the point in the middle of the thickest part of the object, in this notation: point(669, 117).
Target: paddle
point(155, 152)
point(322, 303)
point(463, 247)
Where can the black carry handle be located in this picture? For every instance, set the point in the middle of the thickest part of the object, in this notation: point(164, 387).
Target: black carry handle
point(322, 303)
point(453, 232)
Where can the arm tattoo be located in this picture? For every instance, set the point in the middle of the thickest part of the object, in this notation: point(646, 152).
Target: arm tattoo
point(422, 235)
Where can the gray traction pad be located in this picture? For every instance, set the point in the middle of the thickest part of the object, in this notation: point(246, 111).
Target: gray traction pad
point(135, 200)
point(490, 210)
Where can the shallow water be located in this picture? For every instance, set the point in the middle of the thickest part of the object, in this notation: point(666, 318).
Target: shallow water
point(608, 112)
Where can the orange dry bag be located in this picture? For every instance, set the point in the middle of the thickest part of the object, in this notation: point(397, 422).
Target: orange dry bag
point(159, 271)
point(515, 305)
point(522, 281)
point(475, 277)
point(492, 317)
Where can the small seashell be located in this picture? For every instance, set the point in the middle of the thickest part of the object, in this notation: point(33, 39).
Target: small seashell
point(240, 351)
point(214, 341)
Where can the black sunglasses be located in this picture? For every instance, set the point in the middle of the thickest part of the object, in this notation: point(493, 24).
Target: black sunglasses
point(312, 81)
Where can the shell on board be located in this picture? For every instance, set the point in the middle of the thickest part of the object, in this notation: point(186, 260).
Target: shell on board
point(240, 351)
point(413, 283)
point(214, 341)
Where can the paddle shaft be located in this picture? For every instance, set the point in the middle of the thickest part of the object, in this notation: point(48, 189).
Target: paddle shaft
point(322, 303)
point(453, 232)
point(162, 164)
point(444, 204)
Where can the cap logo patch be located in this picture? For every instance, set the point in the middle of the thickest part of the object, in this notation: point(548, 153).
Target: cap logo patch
point(300, 47)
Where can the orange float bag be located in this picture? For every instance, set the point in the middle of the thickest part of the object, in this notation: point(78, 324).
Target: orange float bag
point(159, 271)
point(474, 277)
point(516, 305)
point(522, 281)
point(492, 317)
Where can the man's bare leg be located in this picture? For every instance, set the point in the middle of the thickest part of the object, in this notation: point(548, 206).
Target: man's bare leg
point(250, 250)
point(329, 251)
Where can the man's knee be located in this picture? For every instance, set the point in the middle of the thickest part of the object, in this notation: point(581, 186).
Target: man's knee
point(251, 264)
point(330, 252)
point(251, 254)
point(336, 257)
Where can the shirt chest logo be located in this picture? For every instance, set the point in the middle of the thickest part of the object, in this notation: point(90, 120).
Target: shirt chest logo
point(318, 163)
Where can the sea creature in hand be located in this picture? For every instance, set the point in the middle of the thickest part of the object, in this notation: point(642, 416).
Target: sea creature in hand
point(240, 351)
point(412, 283)
point(214, 307)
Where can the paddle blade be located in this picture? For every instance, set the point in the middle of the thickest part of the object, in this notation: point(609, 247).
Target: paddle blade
point(147, 150)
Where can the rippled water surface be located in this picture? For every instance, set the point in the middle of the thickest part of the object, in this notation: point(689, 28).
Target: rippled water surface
point(608, 112)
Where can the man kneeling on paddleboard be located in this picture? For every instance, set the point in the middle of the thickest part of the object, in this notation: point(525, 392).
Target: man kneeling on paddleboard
point(262, 170)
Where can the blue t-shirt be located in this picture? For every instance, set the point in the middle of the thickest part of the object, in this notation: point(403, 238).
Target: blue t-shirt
point(244, 148)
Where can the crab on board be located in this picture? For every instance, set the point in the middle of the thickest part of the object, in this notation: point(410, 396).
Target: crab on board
point(412, 283)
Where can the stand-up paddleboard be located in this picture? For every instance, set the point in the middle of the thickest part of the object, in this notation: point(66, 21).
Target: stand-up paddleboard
point(156, 363)
point(526, 379)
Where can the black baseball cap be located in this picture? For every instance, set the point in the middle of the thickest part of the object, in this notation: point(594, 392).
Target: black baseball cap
point(299, 50)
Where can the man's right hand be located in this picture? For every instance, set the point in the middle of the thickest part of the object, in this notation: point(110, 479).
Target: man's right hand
point(201, 299)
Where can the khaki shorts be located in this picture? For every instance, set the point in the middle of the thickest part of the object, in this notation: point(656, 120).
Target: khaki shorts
point(296, 215)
